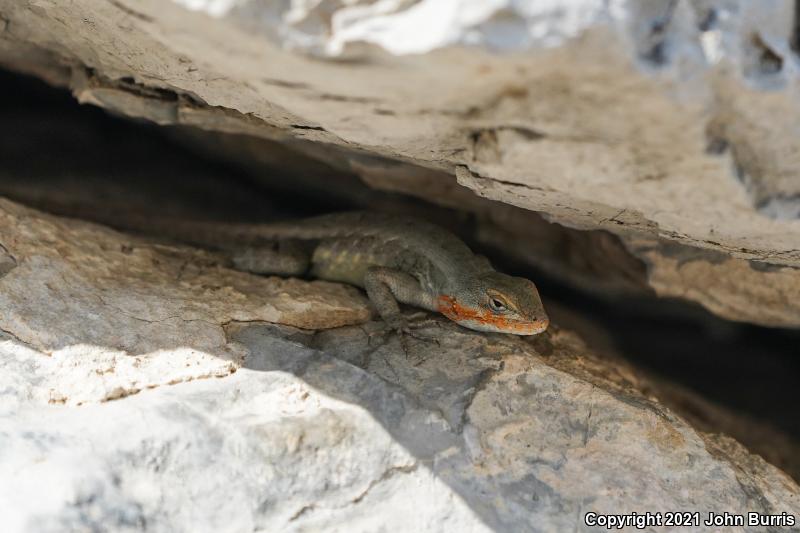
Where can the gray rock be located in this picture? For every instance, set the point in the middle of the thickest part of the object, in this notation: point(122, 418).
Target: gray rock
point(104, 305)
point(328, 427)
point(7, 262)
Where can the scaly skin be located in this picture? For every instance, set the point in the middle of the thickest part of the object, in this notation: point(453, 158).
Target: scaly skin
point(395, 259)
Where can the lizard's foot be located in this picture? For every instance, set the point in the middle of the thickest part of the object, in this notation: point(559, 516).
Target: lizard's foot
point(405, 331)
point(405, 328)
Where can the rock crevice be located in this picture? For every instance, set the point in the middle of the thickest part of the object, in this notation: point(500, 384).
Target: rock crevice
point(621, 149)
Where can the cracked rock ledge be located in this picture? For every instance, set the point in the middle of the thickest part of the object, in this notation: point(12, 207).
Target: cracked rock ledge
point(149, 387)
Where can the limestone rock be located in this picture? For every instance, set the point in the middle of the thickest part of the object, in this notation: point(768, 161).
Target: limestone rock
point(604, 112)
point(733, 288)
point(667, 128)
point(117, 315)
point(318, 428)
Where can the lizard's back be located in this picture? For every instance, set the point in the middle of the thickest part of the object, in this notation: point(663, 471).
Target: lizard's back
point(346, 244)
point(349, 243)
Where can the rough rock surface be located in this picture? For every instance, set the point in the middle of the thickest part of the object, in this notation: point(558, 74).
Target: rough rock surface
point(671, 121)
point(312, 428)
point(116, 315)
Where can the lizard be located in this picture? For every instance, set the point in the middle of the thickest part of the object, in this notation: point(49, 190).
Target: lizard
point(394, 259)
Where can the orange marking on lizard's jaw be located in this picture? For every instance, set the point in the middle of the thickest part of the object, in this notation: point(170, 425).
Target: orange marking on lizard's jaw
point(449, 307)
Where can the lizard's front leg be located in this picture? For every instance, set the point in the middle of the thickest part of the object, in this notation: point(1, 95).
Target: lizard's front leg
point(386, 286)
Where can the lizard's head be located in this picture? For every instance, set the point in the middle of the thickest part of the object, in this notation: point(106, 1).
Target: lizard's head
point(496, 302)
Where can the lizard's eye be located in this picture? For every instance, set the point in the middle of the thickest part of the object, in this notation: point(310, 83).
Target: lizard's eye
point(498, 305)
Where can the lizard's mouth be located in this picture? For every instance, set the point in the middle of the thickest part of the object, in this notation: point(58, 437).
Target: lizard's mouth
point(504, 325)
point(481, 320)
point(535, 327)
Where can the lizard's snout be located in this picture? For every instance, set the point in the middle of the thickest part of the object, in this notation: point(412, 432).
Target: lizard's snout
point(539, 325)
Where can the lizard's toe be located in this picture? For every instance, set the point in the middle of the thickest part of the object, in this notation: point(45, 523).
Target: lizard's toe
point(397, 323)
point(421, 335)
point(404, 328)
point(406, 331)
